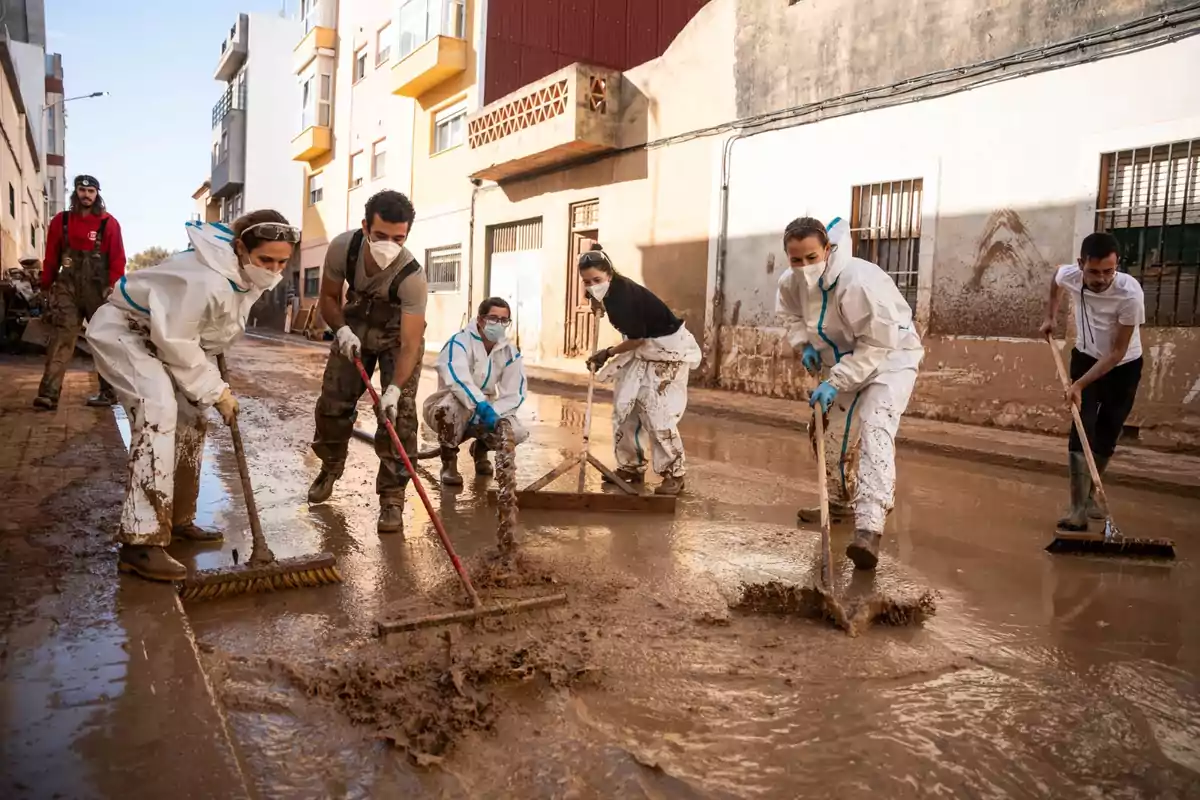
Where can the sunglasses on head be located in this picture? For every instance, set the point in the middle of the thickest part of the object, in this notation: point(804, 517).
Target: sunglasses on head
point(274, 231)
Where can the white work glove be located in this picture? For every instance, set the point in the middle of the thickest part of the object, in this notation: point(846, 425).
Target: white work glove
point(347, 343)
point(391, 402)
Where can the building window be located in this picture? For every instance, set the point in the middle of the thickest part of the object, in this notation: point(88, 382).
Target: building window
point(421, 20)
point(1149, 200)
point(308, 13)
point(378, 159)
point(449, 128)
point(441, 268)
point(357, 162)
point(316, 188)
point(383, 44)
point(885, 227)
point(360, 63)
point(12, 201)
point(316, 96)
point(312, 281)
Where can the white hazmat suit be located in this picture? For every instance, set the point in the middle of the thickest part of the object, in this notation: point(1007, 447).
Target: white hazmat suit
point(469, 375)
point(650, 395)
point(862, 327)
point(154, 341)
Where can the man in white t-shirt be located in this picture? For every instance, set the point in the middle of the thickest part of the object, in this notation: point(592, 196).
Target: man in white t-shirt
point(1106, 362)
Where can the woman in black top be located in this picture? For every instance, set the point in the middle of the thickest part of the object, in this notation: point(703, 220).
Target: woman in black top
point(650, 369)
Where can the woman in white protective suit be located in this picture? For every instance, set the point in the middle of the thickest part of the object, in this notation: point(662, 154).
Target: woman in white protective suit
point(154, 341)
point(650, 370)
point(848, 317)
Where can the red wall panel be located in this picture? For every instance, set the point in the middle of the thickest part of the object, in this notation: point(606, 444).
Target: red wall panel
point(529, 39)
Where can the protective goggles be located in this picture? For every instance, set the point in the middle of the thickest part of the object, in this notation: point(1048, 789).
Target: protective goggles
point(594, 258)
point(274, 231)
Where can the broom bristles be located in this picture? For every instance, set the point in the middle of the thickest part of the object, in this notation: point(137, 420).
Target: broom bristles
point(298, 573)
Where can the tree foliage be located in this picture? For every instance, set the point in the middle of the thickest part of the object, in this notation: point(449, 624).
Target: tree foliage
point(147, 258)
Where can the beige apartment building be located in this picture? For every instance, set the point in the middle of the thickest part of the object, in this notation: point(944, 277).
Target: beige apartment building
point(22, 189)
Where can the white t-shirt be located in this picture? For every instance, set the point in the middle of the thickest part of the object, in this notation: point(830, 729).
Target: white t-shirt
point(1098, 315)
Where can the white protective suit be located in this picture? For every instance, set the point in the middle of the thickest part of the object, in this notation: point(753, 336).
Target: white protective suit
point(154, 341)
point(650, 395)
point(861, 325)
point(467, 375)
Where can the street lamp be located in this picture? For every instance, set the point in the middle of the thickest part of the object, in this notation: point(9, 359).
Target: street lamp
point(69, 99)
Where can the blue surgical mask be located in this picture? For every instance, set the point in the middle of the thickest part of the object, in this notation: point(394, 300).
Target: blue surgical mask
point(494, 332)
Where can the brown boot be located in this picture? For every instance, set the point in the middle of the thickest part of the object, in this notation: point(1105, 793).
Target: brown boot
point(864, 550)
point(450, 475)
point(152, 563)
point(670, 486)
point(45, 403)
point(838, 514)
point(191, 532)
point(322, 488)
point(102, 400)
point(479, 452)
point(391, 514)
point(628, 475)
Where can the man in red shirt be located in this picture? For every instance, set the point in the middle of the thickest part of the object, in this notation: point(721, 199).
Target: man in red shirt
point(85, 257)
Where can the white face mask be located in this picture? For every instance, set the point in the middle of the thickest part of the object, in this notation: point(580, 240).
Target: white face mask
point(264, 279)
point(598, 290)
point(385, 252)
point(494, 332)
point(811, 272)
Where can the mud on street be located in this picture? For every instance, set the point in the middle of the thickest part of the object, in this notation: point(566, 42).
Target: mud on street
point(1038, 677)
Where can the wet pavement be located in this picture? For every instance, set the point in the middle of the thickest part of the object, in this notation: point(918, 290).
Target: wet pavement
point(1040, 676)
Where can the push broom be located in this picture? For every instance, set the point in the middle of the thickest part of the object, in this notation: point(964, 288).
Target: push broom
point(262, 572)
point(1112, 542)
point(478, 609)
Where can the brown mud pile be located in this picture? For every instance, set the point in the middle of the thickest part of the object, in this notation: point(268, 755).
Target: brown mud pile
point(422, 703)
point(853, 616)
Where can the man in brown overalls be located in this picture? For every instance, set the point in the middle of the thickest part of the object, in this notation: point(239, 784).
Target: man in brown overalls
point(383, 323)
point(85, 257)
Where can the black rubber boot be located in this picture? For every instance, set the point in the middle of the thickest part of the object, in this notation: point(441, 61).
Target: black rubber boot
point(45, 403)
point(102, 400)
point(1081, 484)
point(1094, 509)
point(322, 488)
point(450, 475)
point(391, 513)
point(479, 452)
point(864, 550)
point(152, 563)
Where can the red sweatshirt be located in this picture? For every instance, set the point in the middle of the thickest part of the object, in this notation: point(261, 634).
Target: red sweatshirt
point(82, 230)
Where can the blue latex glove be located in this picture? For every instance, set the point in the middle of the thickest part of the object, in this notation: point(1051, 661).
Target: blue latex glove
point(824, 395)
point(811, 359)
point(487, 415)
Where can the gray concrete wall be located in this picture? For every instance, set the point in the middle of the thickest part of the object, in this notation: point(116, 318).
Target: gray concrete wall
point(789, 54)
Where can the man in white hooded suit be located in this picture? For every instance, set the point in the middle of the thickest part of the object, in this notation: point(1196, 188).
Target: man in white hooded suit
point(848, 317)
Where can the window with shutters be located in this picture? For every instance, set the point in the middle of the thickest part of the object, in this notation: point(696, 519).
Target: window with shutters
point(1149, 201)
point(885, 228)
point(442, 267)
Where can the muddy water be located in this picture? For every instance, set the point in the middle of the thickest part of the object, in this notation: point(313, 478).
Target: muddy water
point(1040, 676)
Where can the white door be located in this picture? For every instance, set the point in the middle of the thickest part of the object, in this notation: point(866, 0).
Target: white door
point(517, 277)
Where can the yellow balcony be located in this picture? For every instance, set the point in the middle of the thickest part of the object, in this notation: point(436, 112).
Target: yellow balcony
point(440, 58)
point(318, 39)
point(316, 140)
point(571, 114)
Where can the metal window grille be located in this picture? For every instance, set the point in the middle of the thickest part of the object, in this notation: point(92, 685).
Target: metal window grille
point(442, 267)
point(1149, 201)
point(885, 228)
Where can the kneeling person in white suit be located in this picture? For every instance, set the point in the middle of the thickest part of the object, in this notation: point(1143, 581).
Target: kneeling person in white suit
point(481, 380)
point(154, 341)
point(849, 317)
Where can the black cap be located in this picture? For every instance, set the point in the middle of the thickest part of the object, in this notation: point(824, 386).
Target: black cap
point(87, 180)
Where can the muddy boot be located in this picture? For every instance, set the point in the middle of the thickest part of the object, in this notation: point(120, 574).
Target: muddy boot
point(479, 452)
point(1094, 508)
point(322, 487)
point(450, 475)
point(864, 550)
point(191, 532)
point(1081, 483)
point(391, 514)
point(670, 486)
point(628, 475)
point(152, 563)
point(838, 514)
point(102, 400)
point(45, 403)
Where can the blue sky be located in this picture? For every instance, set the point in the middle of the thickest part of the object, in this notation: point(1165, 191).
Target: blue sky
point(148, 142)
